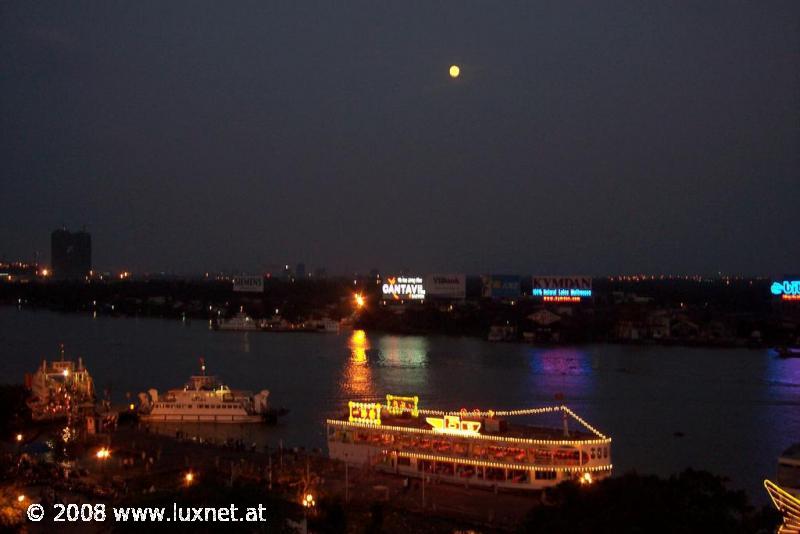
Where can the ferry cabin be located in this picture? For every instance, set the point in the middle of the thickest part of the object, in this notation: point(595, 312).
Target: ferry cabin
point(199, 410)
point(505, 456)
point(203, 400)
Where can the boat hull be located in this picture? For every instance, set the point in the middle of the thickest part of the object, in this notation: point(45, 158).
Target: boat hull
point(200, 418)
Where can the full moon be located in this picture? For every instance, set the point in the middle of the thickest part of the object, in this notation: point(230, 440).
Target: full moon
point(454, 71)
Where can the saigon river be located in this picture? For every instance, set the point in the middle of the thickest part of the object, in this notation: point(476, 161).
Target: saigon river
point(729, 411)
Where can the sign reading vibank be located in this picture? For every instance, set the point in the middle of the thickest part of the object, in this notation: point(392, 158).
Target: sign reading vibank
point(446, 286)
point(403, 288)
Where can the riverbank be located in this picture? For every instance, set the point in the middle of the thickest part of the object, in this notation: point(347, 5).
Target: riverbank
point(707, 313)
point(143, 468)
point(143, 465)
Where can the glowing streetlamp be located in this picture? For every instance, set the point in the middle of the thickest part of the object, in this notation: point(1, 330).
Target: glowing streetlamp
point(188, 478)
point(586, 479)
point(19, 438)
point(359, 300)
point(20, 498)
point(102, 454)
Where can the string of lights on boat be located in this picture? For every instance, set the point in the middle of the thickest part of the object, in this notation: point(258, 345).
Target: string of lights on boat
point(516, 413)
point(488, 437)
point(498, 465)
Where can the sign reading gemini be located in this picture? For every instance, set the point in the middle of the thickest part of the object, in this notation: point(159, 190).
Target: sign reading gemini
point(248, 284)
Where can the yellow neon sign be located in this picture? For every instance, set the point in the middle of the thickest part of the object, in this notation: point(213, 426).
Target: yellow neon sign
point(365, 412)
point(787, 504)
point(397, 405)
point(453, 424)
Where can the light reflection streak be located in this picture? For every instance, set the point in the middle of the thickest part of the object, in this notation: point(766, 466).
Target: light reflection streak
point(564, 371)
point(357, 373)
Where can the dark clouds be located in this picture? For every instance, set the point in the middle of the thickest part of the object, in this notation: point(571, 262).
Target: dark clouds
point(588, 137)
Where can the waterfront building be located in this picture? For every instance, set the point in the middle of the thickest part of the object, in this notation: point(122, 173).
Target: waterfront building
point(70, 254)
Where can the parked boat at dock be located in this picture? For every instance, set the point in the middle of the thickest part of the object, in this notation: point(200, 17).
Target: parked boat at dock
point(481, 448)
point(206, 400)
point(241, 322)
point(59, 388)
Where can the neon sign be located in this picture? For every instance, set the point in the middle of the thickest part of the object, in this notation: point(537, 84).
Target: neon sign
point(399, 405)
point(365, 412)
point(453, 424)
point(562, 288)
point(402, 287)
point(786, 289)
point(561, 299)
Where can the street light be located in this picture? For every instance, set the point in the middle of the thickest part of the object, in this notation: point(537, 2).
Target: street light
point(309, 501)
point(20, 498)
point(103, 454)
point(188, 478)
point(19, 438)
point(359, 299)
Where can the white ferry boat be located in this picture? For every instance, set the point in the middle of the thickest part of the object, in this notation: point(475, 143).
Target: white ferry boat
point(241, 322)
point(480, 448)
point(204, 400)
point(58, 388)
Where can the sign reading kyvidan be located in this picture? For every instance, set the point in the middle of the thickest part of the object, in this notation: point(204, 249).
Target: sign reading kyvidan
point(561, 288)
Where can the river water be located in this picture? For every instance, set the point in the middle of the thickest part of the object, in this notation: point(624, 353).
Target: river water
point(731, 411)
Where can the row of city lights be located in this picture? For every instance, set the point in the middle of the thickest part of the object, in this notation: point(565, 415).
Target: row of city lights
point(104, 454)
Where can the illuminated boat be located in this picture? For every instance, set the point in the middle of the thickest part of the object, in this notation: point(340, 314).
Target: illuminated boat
point(241, 322)
point(480, 448)
point(58, 388)
point(787, 504)
point(205, 400)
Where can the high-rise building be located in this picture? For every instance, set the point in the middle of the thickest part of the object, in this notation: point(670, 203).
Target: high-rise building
point(70, 254)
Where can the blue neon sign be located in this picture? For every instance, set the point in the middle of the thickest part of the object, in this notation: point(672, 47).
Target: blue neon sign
point(543, 292)
point(786, 287)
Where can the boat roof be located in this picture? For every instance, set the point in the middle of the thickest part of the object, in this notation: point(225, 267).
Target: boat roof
point(508, 429)
point(582, 431)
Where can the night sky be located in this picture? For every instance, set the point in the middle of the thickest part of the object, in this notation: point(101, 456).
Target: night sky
point(581, 138)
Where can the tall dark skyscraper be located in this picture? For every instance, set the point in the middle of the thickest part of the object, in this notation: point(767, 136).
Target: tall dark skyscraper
point(70, 254)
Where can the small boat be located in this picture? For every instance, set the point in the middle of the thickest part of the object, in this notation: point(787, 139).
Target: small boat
point(58, 388)
point(788, 352)
point(241, 322)
point(205, 400)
